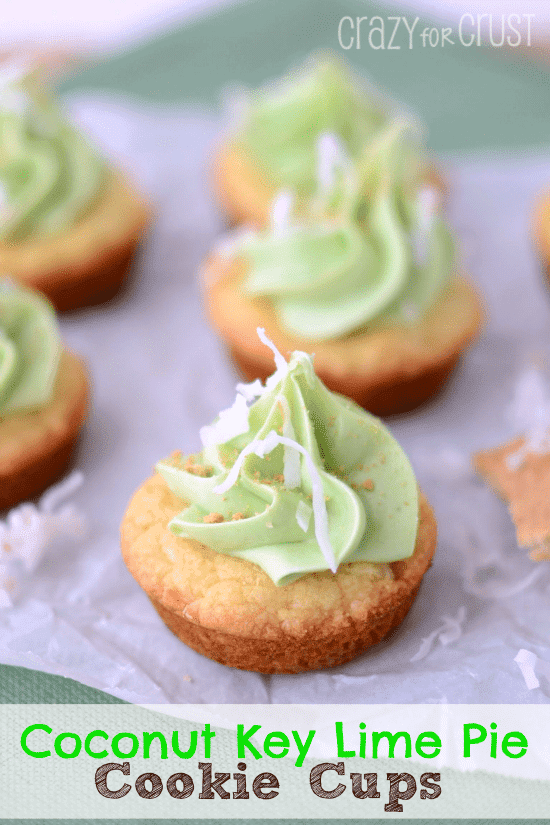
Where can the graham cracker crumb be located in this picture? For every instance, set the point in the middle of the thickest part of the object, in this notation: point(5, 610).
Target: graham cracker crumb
point(237, 516)
point(368, 484)
point(526, 490)
point(196, 469)
point(213, 518)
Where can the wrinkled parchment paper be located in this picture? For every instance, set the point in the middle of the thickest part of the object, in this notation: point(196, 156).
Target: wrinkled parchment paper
point(159, 373)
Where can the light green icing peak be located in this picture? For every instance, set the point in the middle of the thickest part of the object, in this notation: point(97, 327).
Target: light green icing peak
point(269, 514)
point(284, 121)
point(30, 349)
point(49, 175)
point(372, 250)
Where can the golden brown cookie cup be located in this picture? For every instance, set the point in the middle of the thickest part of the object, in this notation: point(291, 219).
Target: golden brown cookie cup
point(245, 193)
point(36, 446)
point(541, 232)
point(229, 610)
point(387, 371)
point(88, 263)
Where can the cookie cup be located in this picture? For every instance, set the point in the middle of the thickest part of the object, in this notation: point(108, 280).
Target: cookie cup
point(385, 370)
point(36, 446)
point(88, 263)
point(541, 232)
point(245, 193)
point(229, 610)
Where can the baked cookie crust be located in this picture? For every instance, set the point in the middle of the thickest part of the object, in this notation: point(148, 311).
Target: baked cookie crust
point(541, 232)
point(87, 264)
point(36, 447)
point(229, 610)
point(386, 370)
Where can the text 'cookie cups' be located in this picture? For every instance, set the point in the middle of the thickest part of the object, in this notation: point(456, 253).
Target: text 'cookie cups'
point(43, 396)
point(366, 279)
point(273, 146)
point(295, 540)
point(69, 224)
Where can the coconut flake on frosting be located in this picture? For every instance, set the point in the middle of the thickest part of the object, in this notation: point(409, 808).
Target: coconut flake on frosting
point(427, 207)
point(12, 97)
point(230, 423)
point(281, 212)
point(303, 515)
point(280, 361)
point(332, 159)
point(263, 446)
point(291, 463)
point(234, 420)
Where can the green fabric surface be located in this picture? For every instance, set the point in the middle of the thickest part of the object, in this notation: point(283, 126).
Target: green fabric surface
point(471, 98)
point(276, 821)
point(22, 686)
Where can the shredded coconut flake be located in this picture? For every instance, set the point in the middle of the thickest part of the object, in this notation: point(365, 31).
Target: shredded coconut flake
point(449, 632)
point(264, 446)
point(527, 661)
point(529, 411)
point(281, 212)
point(303, 515)
point(280, 362)
point(230, 423)
point(251, 391)
point(427, 208)
point(332, 158)
point(14, 99)
point(29, 530)
point(291, 463)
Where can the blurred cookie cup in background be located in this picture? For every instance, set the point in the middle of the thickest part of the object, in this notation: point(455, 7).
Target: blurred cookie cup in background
point(69, 223)
point(272, 144)
point(365, 277)
point(44, 395)
point(541, 232)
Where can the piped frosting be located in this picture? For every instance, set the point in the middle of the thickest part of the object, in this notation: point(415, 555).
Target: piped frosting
point(50, 177)
point(372, 249)
point(314, 482)
point(281, 123)
point(30, 349)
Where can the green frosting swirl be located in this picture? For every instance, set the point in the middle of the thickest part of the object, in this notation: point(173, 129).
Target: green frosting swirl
point(368, 487)
point(30, 349)
point(283, 122)
point(49, 175)
point(373, 250)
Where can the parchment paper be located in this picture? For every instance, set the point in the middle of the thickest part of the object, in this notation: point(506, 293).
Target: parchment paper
point(159, 373)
